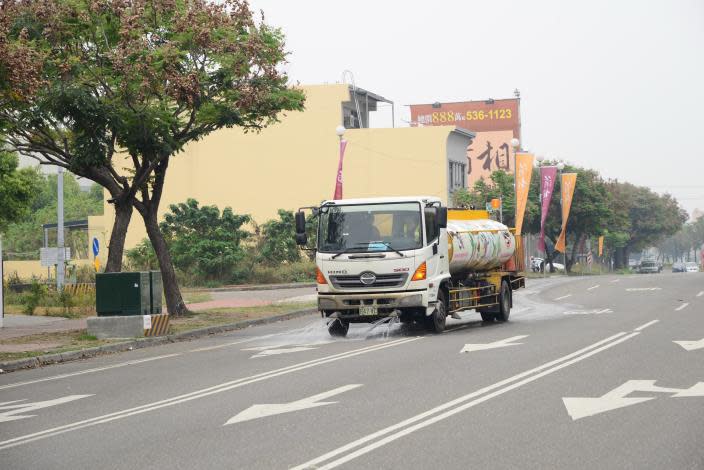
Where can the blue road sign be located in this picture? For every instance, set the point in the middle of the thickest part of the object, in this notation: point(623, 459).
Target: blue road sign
point(96, 247)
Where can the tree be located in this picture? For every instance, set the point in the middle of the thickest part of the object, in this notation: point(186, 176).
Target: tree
point(25, 235)
point(203, 240)
point(279, 240)
point(98, 85)
point(17, 189)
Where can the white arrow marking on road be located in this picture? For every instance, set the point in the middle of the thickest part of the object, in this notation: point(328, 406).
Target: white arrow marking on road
point(691, 345)
point(684, 305)
point(581, 407)
point(14, 411)
point(593, 287)
point(496, 344)
point(265, 351)
point(262, 411)
point(638, 289)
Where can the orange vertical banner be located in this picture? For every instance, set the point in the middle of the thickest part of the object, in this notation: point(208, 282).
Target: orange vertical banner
point(524, 170)
point(601, 246)
point(567, 189)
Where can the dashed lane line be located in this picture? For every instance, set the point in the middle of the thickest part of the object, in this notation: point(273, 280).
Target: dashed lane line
point(593, 287)
point(564, 297)
point(87, 371)
point(700, 294)
point(681, 307)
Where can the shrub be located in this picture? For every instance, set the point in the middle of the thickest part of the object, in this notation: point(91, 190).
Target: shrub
point(34, 297)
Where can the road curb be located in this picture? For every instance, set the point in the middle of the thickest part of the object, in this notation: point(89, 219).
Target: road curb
point(48, 359)
point(255, 287)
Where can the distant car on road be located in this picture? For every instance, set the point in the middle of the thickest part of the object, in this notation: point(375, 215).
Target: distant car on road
point(691, 267)
point(649, 267)
point(678, 267)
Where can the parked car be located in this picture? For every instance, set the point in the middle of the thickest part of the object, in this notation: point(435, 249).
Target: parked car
point(649, 267)
point(678, 267)
point(691, 267)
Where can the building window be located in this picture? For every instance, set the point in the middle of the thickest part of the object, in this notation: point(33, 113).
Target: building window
point(457, 175)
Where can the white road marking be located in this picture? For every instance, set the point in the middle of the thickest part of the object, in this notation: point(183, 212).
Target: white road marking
point(639, 289)
point(691, 345)
point(261, 411)
point(593, 287)
point(564, 297)
point(595, 311)
point(248, 340)
point(646, 325)
point(275, 352)
point(426, 418)
point(700, 294)
point(684, 305)
point(199, 393)
point(87, 371)
point(496, 344)
point(582, 407)
point(14, 411)
point(616, 280)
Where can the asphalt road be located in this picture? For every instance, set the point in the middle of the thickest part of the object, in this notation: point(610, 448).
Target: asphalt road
point(588, 374)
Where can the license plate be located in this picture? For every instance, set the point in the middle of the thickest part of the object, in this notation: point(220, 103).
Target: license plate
point(367, 311)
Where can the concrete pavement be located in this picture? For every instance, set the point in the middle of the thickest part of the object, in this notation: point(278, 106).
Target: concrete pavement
point(595, 379)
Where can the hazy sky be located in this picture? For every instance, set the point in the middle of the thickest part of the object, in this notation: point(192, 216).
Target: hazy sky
point(617, 86)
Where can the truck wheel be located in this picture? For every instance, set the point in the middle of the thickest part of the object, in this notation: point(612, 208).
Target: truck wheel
point(436, 321)
point(487, 317)
point(504, 303)
point(338, 328)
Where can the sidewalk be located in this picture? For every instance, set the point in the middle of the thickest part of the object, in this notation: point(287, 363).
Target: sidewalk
point(15, 326)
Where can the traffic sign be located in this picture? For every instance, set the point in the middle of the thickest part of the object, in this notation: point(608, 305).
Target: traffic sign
point(96, 247)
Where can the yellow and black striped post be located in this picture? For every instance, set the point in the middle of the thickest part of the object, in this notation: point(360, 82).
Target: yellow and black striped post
point(160, 325)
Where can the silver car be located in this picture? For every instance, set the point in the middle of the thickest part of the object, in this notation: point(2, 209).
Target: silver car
point(691, 268)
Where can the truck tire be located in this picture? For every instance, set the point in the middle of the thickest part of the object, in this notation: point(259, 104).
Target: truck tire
point(436, 322)
point(487, 317)
point(338, 328)
point(504, 302)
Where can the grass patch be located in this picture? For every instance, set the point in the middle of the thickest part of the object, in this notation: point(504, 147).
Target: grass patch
point(48, 343)
point(224, 316)
point(195, 297)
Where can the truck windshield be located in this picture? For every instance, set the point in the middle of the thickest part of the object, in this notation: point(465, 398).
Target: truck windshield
point(370, 227)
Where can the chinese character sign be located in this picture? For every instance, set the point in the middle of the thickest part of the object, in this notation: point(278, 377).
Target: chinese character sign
point(568, 182)
point(488, 152)
point(547, 184)
point(524, 170)
point(476, 116)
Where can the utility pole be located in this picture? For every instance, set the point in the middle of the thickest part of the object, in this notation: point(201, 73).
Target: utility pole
point(61, 251)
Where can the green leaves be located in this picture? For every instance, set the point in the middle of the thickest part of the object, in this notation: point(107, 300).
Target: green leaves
point(204, 241)
point(17, 189)
point(279, 243)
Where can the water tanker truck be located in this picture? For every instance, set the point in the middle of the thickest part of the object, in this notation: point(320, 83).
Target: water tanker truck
point(411, 258)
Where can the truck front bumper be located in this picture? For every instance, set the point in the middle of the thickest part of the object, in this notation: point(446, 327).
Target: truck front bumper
point(385, 302)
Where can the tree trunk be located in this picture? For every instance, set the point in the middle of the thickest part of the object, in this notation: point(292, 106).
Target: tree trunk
point(174, 301)
point(116, 248)
point(577, 242)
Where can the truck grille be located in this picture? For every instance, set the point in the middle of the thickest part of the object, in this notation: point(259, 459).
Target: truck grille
point(382, 280)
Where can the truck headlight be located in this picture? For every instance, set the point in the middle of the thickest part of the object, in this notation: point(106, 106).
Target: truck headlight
point(411, 301)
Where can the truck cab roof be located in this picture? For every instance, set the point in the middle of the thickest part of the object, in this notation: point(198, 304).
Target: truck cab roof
point(379, 200)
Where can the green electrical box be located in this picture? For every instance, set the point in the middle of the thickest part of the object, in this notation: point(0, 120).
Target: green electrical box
point(156, 288)
point(123, 293)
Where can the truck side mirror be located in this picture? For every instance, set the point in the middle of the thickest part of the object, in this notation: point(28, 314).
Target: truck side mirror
point(442, 217)
point(301, 237)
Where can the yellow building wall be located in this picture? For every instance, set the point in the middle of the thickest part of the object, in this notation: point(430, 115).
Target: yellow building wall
point(26, 270)
point(294, 163)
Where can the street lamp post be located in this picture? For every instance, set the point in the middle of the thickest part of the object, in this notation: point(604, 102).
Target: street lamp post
point(340, 131)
